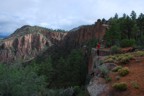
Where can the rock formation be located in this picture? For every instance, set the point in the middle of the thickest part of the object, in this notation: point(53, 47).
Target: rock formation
point(29, 41)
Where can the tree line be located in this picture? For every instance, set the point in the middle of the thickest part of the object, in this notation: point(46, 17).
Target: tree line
point(125, 31)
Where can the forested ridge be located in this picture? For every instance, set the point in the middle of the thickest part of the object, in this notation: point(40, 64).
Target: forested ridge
point(125, 31)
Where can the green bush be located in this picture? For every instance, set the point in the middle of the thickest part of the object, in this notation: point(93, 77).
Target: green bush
point(135, 85)
point(124, 58)
point(119, 58)
point(116, 68)
point(104, 70)
point(127, 43)
point(124, 71)
point(77, 89)
point(109, 60)
point(115, 49)
point(139, 53)
point(108, 79)
point(122, 86)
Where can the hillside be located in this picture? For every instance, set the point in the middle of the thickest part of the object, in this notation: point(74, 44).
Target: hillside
point(28, 42)
point(117, 69)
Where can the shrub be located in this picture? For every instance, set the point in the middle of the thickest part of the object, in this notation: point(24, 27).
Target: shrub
point(124, 71)
point(139, 53)
point(122, 86)
point(104, 70)
point(115, 49)
point(119, 58)
point(108, 79)
point(77, 89)
point(116, 68)
point(124, 58)
point(135, 85)
point(127, 43)
point(109, 59)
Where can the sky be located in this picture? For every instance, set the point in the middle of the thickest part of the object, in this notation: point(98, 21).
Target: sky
point(61, 14)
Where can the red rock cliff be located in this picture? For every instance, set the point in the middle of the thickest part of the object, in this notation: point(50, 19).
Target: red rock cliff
point(85, 33)
point(28, 42)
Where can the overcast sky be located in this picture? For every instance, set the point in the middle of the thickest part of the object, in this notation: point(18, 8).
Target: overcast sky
point(61, 14)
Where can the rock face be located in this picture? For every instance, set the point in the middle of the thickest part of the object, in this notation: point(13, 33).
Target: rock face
point(29, 41)
point(98, 87)
point(79, 35)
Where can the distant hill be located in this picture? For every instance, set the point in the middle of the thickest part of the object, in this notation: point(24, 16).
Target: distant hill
point(3, 36)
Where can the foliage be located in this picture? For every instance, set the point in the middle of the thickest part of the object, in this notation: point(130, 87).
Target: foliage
point(112, 35)
point(16, 81)
point(124, 59)
point(108, 79)
point(119, 58)
point(104, 70)
point(63, 71)
point(115, 49)
point(127, 43)
point(92, 43)
point(139, 53)
point(125, 27)
point(109, 59)
point(122, 86)
point(116, 68)
point(45, 68)
point(135, 84)
point(124, 71)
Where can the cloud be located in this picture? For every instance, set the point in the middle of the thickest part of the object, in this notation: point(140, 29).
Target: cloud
point(61, 14)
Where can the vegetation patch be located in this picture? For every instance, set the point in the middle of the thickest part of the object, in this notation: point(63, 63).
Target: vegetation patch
point(116, 68)
point(122, 86)
point(104, 70)
point(119, 58)
point(127, 42)
point(139, 53)
point(108, 79)
point(135, 84)
point(115, 49)
point(124, 71)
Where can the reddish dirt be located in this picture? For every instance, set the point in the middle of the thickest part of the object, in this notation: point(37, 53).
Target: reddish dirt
point(136, 74)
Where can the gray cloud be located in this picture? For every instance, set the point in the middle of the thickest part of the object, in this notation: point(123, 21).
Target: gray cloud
point(63, 14)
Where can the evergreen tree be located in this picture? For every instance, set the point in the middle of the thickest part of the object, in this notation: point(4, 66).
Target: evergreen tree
point(133, 15)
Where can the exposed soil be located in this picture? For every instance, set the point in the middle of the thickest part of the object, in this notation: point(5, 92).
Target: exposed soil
point(135, 76)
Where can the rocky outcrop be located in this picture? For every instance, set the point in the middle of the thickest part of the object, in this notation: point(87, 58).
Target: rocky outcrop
point(84, 33)
point(99, 87)
point(28, 42)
